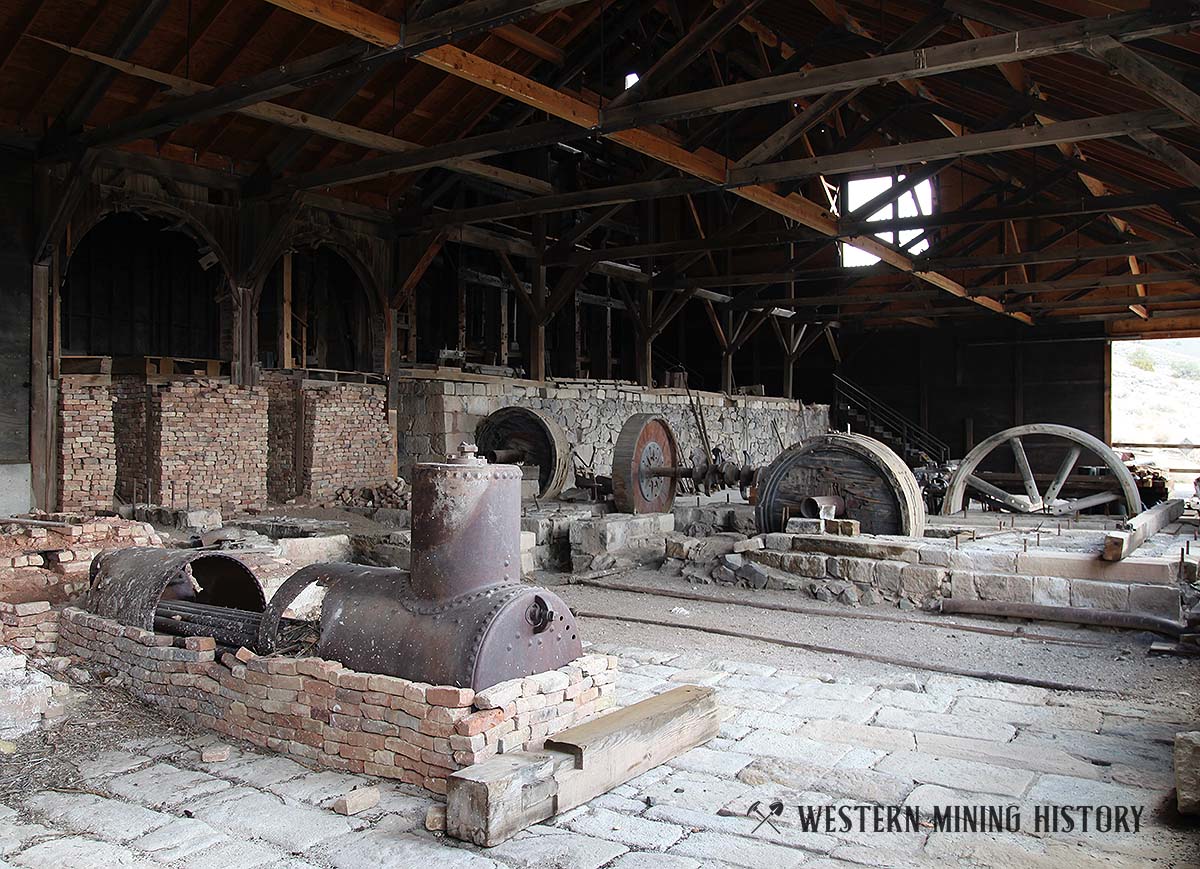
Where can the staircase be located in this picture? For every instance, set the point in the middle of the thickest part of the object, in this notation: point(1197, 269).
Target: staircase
point(857, 410)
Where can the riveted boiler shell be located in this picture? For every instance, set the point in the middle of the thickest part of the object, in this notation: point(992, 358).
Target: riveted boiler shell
point(371, 623)
point(466, 527)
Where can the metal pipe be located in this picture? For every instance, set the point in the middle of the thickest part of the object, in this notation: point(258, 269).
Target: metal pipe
point(812, 505)
point(505, 456)
point(1078, 615)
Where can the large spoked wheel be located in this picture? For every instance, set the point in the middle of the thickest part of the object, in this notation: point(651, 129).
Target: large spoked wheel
point(1029, 469)
point(875, 485)
point(645, 460)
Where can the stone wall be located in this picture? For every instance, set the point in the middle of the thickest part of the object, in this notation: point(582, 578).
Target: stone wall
point(87, 452)
point(209, 438)
point(918, 573)
point(437, 412)
point(346, 437)
point(325, 715)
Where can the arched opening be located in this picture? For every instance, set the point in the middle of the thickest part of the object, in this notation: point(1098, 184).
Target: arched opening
point(140, 286)
point(315, 312)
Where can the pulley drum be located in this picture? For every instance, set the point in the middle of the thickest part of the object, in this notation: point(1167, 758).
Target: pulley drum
point(646, 466)
point(524, 436)
point(1042, 458)
point(873, 483)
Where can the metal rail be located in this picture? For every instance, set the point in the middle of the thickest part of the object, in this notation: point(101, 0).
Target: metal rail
point(850, 399)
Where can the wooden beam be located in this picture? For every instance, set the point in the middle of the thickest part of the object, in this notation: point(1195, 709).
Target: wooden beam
point(490, 802)
point(703, 163)
point(517, 284)
point(1088, 282)
point(1034, 136)
point(1145, 74)
point(1063, 254)
point(1140, 528)
point(313, 123)
point(429, 246)
point(898, 66)
point(531, 43)
point(133, 31)
point(683, 53)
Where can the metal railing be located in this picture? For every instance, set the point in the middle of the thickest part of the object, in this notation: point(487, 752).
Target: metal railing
point(912, 438)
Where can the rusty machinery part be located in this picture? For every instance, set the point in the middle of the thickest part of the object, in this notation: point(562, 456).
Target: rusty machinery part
point(527, 437)
point(874, 485)
point(466, 526)
point(462, 616)
point(646, 466)
point(128, 585)
point(1042, 456)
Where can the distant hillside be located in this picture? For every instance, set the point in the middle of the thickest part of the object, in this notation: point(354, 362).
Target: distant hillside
point(1156, 391)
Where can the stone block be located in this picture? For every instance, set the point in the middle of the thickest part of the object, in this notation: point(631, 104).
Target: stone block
point(1078, 565)
point(1004, 587)
point(805, 526)
point(962, 585)
point(853, 569)
point(1156, 600)
point(1051, 591)
point(358, 800)
point(1099, 595)
point(1187, 772)
point(887, 575)
point(921, 583)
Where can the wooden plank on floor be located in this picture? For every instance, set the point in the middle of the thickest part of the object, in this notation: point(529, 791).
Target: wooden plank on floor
point(1139, 529)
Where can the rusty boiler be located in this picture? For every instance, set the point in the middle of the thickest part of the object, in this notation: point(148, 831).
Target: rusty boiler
point(461, 616)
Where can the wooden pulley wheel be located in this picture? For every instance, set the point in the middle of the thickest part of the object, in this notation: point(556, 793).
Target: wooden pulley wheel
point(876, 486)
point(524, 436)
point(645, 465)
point(1032, 469)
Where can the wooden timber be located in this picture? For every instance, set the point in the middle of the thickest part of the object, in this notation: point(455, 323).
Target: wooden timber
point(491, 801)
point(1139, 529)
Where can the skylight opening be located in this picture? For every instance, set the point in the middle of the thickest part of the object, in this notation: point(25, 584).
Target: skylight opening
point(916, 202)
point(631, 79)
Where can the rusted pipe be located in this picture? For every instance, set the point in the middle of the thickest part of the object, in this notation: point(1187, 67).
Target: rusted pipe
point(1078, 615)
point(811, 506)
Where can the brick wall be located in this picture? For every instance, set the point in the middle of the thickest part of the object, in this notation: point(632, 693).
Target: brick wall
point(281, 387)
point(38, 563)
point(325, 715)
point(435, 414)
point(87, 454)
point(346, 437)
point(210, 435)
point(129, 426)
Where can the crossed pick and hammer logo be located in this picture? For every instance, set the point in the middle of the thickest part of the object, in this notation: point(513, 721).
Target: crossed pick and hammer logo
point(773, 810)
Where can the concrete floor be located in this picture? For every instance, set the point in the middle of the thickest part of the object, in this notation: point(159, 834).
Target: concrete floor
point(121, 785)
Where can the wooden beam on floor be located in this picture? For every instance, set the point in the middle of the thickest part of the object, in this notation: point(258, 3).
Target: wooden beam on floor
point(1140, 528)
point(490, 802)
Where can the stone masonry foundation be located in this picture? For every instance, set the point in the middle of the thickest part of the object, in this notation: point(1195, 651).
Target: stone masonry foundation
point(438, 412)
point(328, 716)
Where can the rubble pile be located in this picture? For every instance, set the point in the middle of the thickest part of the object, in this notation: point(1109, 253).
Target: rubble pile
point(395, 494)
point(47, 557)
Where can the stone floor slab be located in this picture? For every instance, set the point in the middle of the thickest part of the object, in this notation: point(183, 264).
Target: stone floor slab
point(957, 773)
point(77, 852)
point(246, 813)
point(163, 784)
point(716, 848)
point(113, 820)
point(542, 847)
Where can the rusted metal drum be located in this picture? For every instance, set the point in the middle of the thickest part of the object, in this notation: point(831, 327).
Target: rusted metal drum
point(645, 465)
point(873, 483)
point(466, 526)
point(128, 584)
point(525, 436)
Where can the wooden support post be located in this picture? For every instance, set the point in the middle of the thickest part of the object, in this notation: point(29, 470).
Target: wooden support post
point(490, 802)
point(727, 357)
point(1139, 529)
point(461, 341)
point(645, 343)
point(537, 327)
point(285, 314)
point(41, 454)
point(502, 340)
